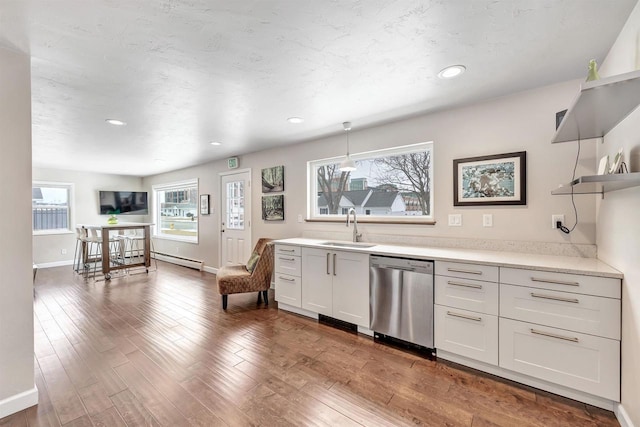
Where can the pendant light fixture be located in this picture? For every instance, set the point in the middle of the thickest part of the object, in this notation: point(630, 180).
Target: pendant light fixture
point(347, 165)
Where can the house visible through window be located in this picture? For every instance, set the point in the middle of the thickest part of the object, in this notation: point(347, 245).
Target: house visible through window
point(51, 207)
point(392, 185)
point(176, 210)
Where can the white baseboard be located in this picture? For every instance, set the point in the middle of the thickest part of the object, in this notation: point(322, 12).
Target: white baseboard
point(54, 264)
point(185, 262)
point(18, 402)
point(210, 269)
point(622, 416)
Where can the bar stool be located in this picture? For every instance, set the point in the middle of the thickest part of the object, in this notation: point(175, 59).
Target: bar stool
point(81, 248)
point(134, 247)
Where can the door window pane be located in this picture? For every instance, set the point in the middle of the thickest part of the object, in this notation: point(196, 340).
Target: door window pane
point(235, 205)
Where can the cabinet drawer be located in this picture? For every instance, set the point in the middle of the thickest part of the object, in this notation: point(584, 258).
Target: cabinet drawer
point(576, 283)
point(288, 250)
point(576, 312)
point(485, 273)
point(288, 289)
point(288, 264)
point(583, 362)
point(467, 294)
point(466, 333)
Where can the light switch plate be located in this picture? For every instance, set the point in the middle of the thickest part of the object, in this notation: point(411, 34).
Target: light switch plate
point(299, 217)
point(487, 220)
point(455, 220)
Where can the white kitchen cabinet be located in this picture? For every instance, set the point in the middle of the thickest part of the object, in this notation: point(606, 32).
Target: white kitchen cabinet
point(336, 284)
point(562, 328)
point(467, 294)
point(579, 361)
point(288, 269)
point(467, 333)
point(466, 310)
point(575, 312)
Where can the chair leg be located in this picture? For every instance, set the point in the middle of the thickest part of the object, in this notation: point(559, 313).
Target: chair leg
point(259, 298)
point(224, 302)
point(265, 295)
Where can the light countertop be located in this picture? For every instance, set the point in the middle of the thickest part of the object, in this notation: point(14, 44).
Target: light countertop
point(553, 263)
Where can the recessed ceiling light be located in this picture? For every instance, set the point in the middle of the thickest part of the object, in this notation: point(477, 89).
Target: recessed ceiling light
point(116, 122)
point(215, 143)
point(295, 120)
point(452, 71)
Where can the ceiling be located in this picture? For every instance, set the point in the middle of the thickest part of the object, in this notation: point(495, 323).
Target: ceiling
point(184, 73)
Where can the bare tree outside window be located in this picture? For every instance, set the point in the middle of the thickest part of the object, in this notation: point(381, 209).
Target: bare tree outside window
point(409, 173)
point(332, 185)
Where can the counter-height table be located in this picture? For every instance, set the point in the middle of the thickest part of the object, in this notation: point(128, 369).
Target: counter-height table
point(106, 230)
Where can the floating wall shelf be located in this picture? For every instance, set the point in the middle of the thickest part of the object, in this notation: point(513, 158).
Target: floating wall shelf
point(599, 184)
point(599, 107)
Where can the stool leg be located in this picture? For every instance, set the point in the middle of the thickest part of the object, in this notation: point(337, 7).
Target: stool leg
point(259, 298)
point(265, 295)
point(224, 302)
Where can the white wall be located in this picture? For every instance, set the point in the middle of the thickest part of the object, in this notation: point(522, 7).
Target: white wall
point(520, 122)
point(618, 217)
point(17, 389)
point(47, 248)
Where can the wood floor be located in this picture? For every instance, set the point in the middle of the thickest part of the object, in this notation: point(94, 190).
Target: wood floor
point(157, 349)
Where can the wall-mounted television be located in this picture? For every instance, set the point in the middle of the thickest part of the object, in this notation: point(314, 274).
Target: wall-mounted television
point(124, 203)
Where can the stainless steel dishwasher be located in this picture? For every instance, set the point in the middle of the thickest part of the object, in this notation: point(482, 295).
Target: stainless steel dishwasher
point(401, 299)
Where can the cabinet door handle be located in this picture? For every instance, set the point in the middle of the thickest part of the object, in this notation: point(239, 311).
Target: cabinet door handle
point(287, 259)
point(549, 334)
point(466, 285)
point(334, 263)
point(287, 279)
point(464, 316)
point(458, 270)
point(573, 300)
point(328, 263)
point(556, 282)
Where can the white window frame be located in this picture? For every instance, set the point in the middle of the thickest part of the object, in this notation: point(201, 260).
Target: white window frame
point(156, 211)
point(312, 186)
point(70, 187)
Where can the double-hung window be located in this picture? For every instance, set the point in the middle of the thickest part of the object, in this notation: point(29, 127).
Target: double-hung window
point(51, 205)
point(175, 210)
point(391, 185)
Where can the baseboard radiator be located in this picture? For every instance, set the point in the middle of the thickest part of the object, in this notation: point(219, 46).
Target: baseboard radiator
point(174, 259)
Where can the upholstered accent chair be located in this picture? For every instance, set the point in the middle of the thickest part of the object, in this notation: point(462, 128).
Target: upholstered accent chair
point(235, 279)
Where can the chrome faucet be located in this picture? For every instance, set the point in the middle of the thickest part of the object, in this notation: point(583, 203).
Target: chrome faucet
point(356, 235)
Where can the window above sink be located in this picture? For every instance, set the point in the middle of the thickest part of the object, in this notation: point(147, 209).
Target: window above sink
point(389, 186)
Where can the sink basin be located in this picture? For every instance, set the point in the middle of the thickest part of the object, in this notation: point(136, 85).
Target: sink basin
point(348, 244)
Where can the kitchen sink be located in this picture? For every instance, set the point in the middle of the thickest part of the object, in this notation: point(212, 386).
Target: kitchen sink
point(355, 245)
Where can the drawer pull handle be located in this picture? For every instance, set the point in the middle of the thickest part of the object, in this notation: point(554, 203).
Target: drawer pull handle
point(464, 316)
point(287, 279)
point(573, 300)
point(466, 285)
point(286, 250)
point(557, 282)
point(457, 270)
point(287, 259)
point(548, 334)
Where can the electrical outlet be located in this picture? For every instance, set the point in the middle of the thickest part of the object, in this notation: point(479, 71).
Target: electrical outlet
point(487, 220)
point(299, 217)
point(555, 219)
point(63, 251)
point(177, 249)
point(455, 220)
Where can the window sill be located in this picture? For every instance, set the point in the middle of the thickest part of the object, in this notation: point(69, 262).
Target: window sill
point(52, 232)
point(175, 239)
point(376, 221)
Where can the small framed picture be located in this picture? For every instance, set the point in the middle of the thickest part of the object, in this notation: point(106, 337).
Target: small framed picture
point(204, 204)
point(273, 179)
point(499, 179)
point(273, 208)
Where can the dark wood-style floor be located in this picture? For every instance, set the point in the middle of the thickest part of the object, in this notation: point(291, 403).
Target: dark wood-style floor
point(157, 349)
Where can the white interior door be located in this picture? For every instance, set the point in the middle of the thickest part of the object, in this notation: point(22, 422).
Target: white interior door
point(235, 216)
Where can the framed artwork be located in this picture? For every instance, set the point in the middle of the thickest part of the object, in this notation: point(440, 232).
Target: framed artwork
point(204, 204)
point(273, 179)
point(500, 179)
point(273, 208)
